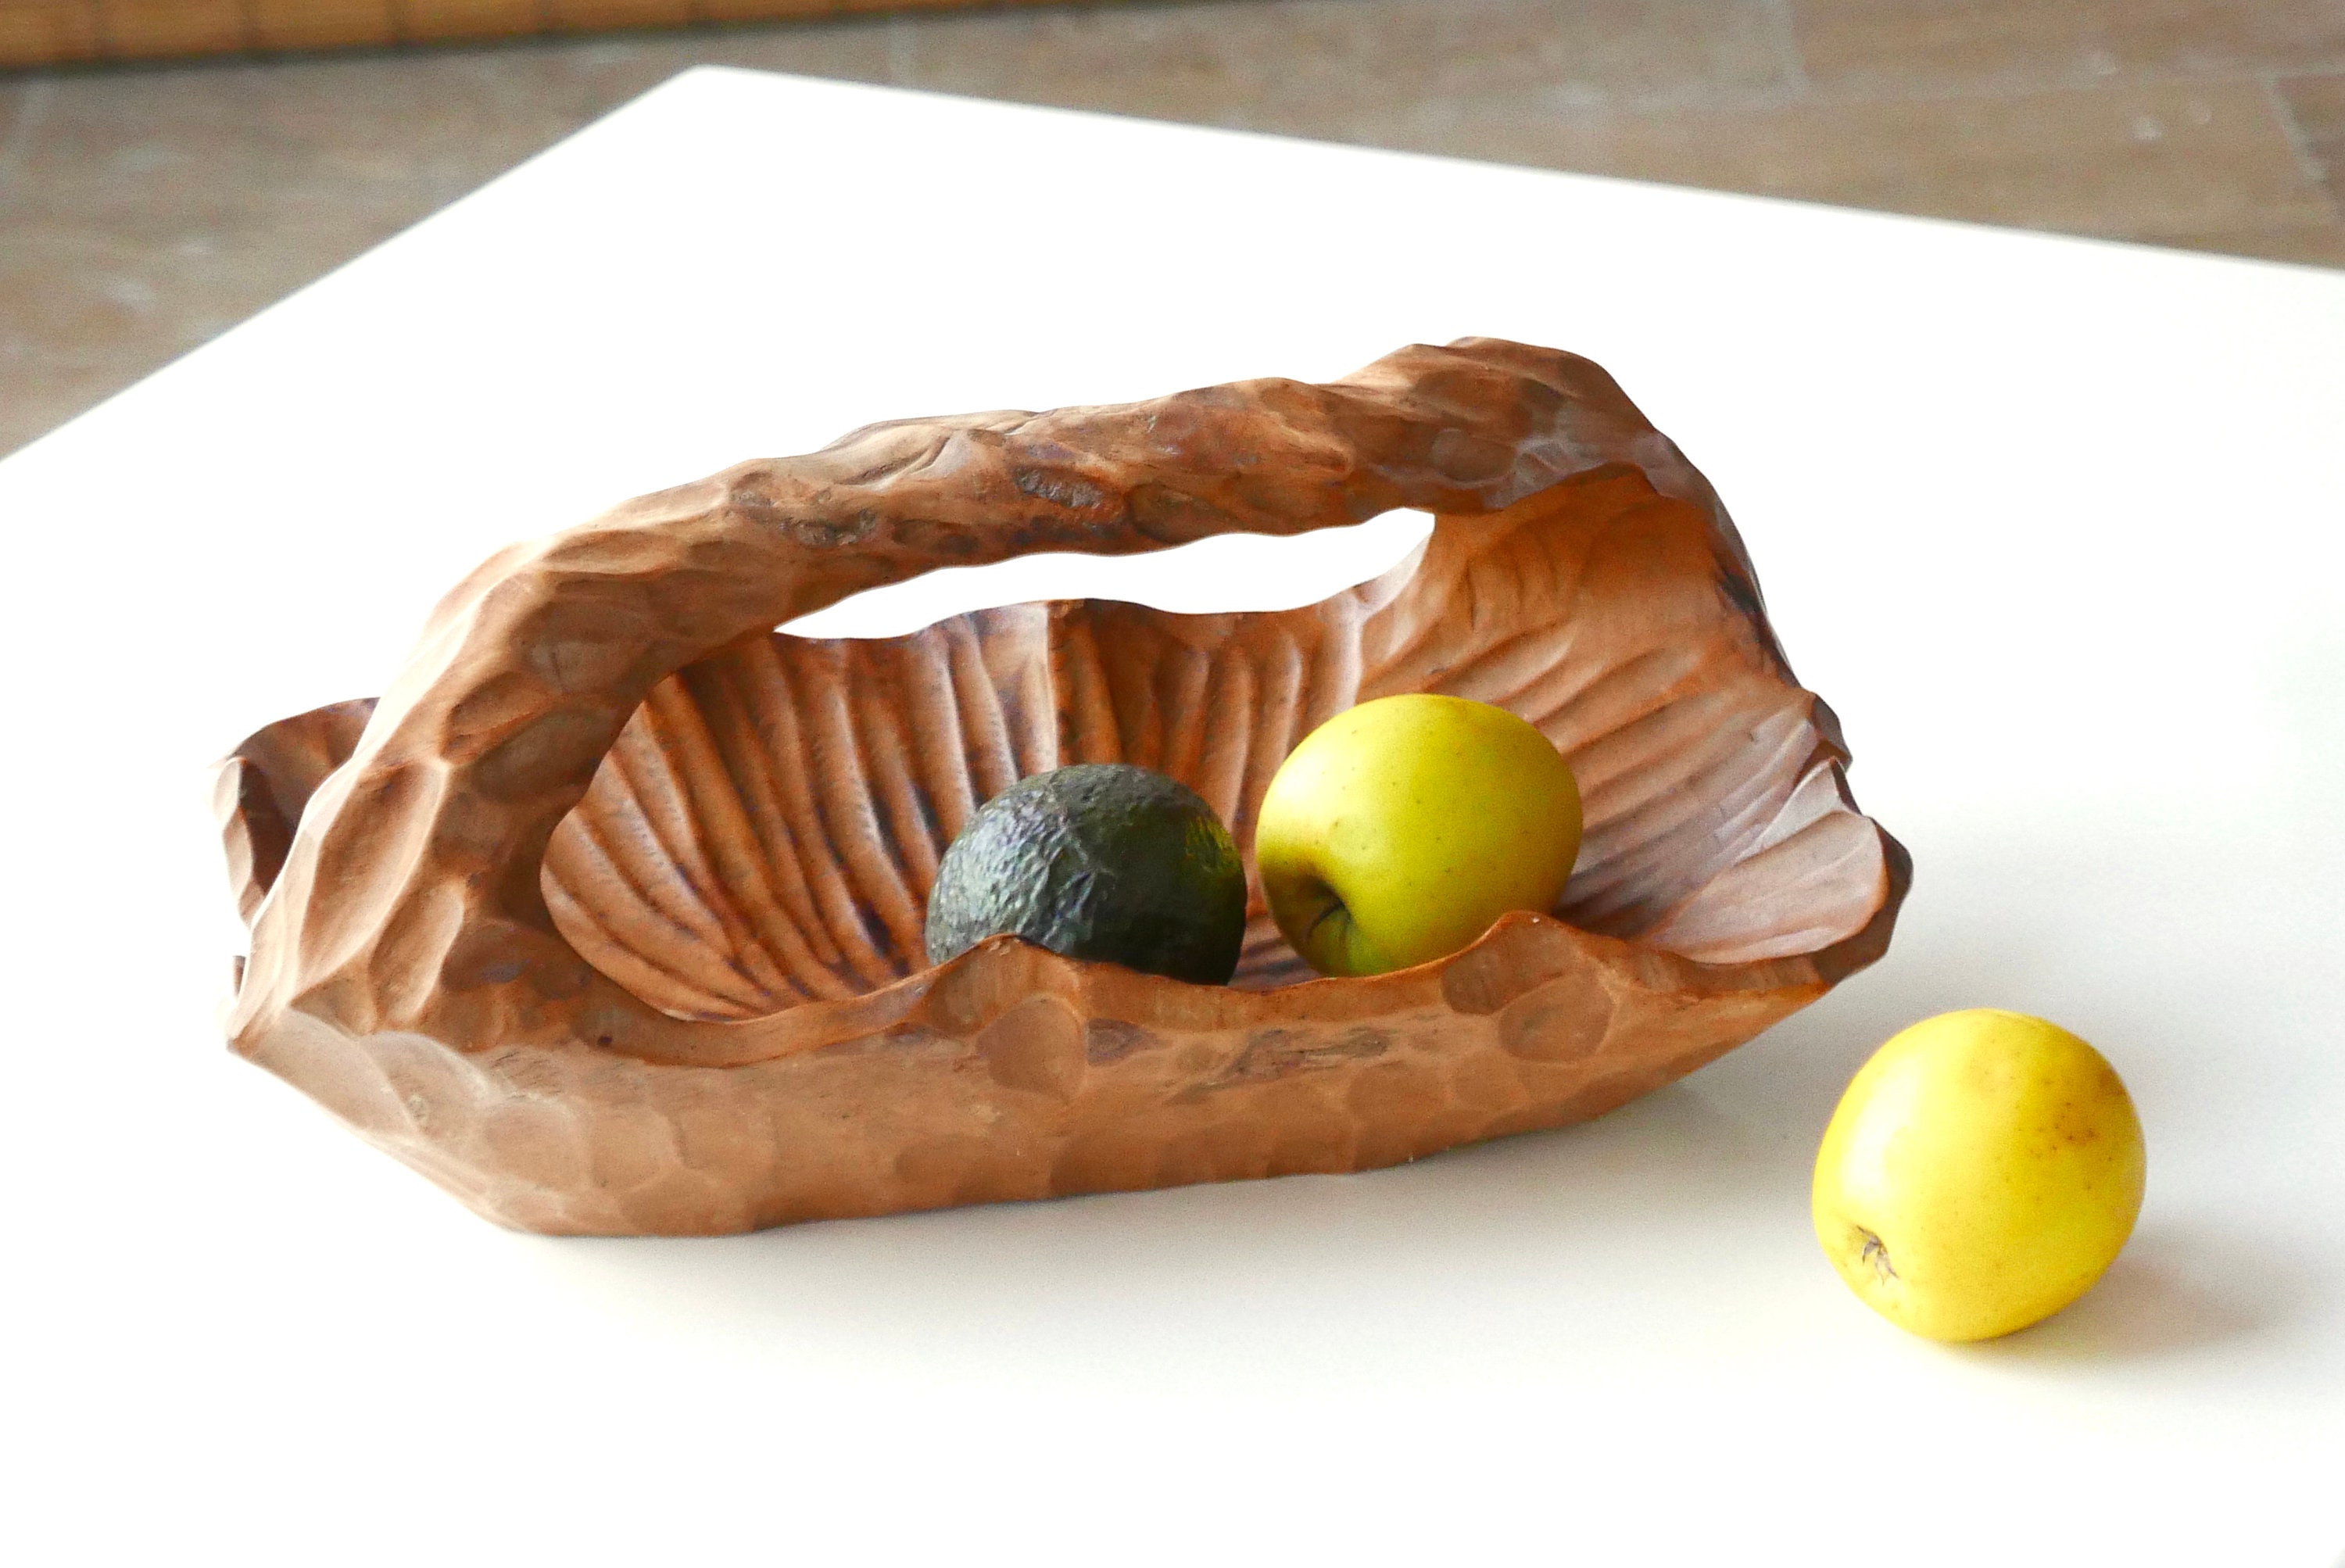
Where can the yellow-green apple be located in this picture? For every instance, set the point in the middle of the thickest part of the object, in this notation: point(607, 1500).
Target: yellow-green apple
point(1982, 1171)
point(1399, 830)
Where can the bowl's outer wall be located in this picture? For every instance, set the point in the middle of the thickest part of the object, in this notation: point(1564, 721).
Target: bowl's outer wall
point(608, 916)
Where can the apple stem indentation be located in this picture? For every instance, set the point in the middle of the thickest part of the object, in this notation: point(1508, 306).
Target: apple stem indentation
point(1335, 910)
point(1875, 1253)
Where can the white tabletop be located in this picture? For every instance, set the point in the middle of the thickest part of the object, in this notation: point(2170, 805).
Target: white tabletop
point(2053, 525)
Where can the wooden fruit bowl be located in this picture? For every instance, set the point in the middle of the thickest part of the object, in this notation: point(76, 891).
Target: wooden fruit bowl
point(607, 916)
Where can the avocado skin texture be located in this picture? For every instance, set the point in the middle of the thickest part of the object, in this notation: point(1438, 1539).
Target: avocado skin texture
point(1098, 861)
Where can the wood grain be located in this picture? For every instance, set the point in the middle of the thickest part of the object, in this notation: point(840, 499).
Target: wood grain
point(52, 32)
point(609, 918)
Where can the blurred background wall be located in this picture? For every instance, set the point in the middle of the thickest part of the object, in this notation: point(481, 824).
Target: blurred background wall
point(145, 207)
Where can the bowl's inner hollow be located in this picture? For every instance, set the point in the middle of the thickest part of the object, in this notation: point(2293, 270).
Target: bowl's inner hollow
point(766, 829)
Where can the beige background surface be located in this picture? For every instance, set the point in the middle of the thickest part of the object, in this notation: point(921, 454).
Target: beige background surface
point(144, 210)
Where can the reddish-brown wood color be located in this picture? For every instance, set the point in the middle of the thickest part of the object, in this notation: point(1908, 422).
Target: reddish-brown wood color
point(607, 916)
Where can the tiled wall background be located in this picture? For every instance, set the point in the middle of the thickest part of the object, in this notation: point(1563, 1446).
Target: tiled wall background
point(144, 210)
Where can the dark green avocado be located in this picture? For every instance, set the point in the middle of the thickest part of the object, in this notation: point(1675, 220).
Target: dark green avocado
point(1098, 861)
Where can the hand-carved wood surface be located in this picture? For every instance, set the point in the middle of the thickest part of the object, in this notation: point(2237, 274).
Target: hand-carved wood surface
point(608, 916)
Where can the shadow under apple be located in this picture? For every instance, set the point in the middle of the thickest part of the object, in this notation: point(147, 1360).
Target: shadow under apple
point(2176, 1288)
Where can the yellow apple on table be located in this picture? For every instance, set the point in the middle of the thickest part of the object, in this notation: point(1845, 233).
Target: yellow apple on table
point(1400, 828)
point(1982, 1171)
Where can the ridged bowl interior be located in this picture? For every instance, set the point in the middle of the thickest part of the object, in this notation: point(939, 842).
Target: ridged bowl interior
point(768, 828)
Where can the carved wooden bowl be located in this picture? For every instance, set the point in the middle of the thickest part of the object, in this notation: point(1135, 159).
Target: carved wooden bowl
point(608, 916)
